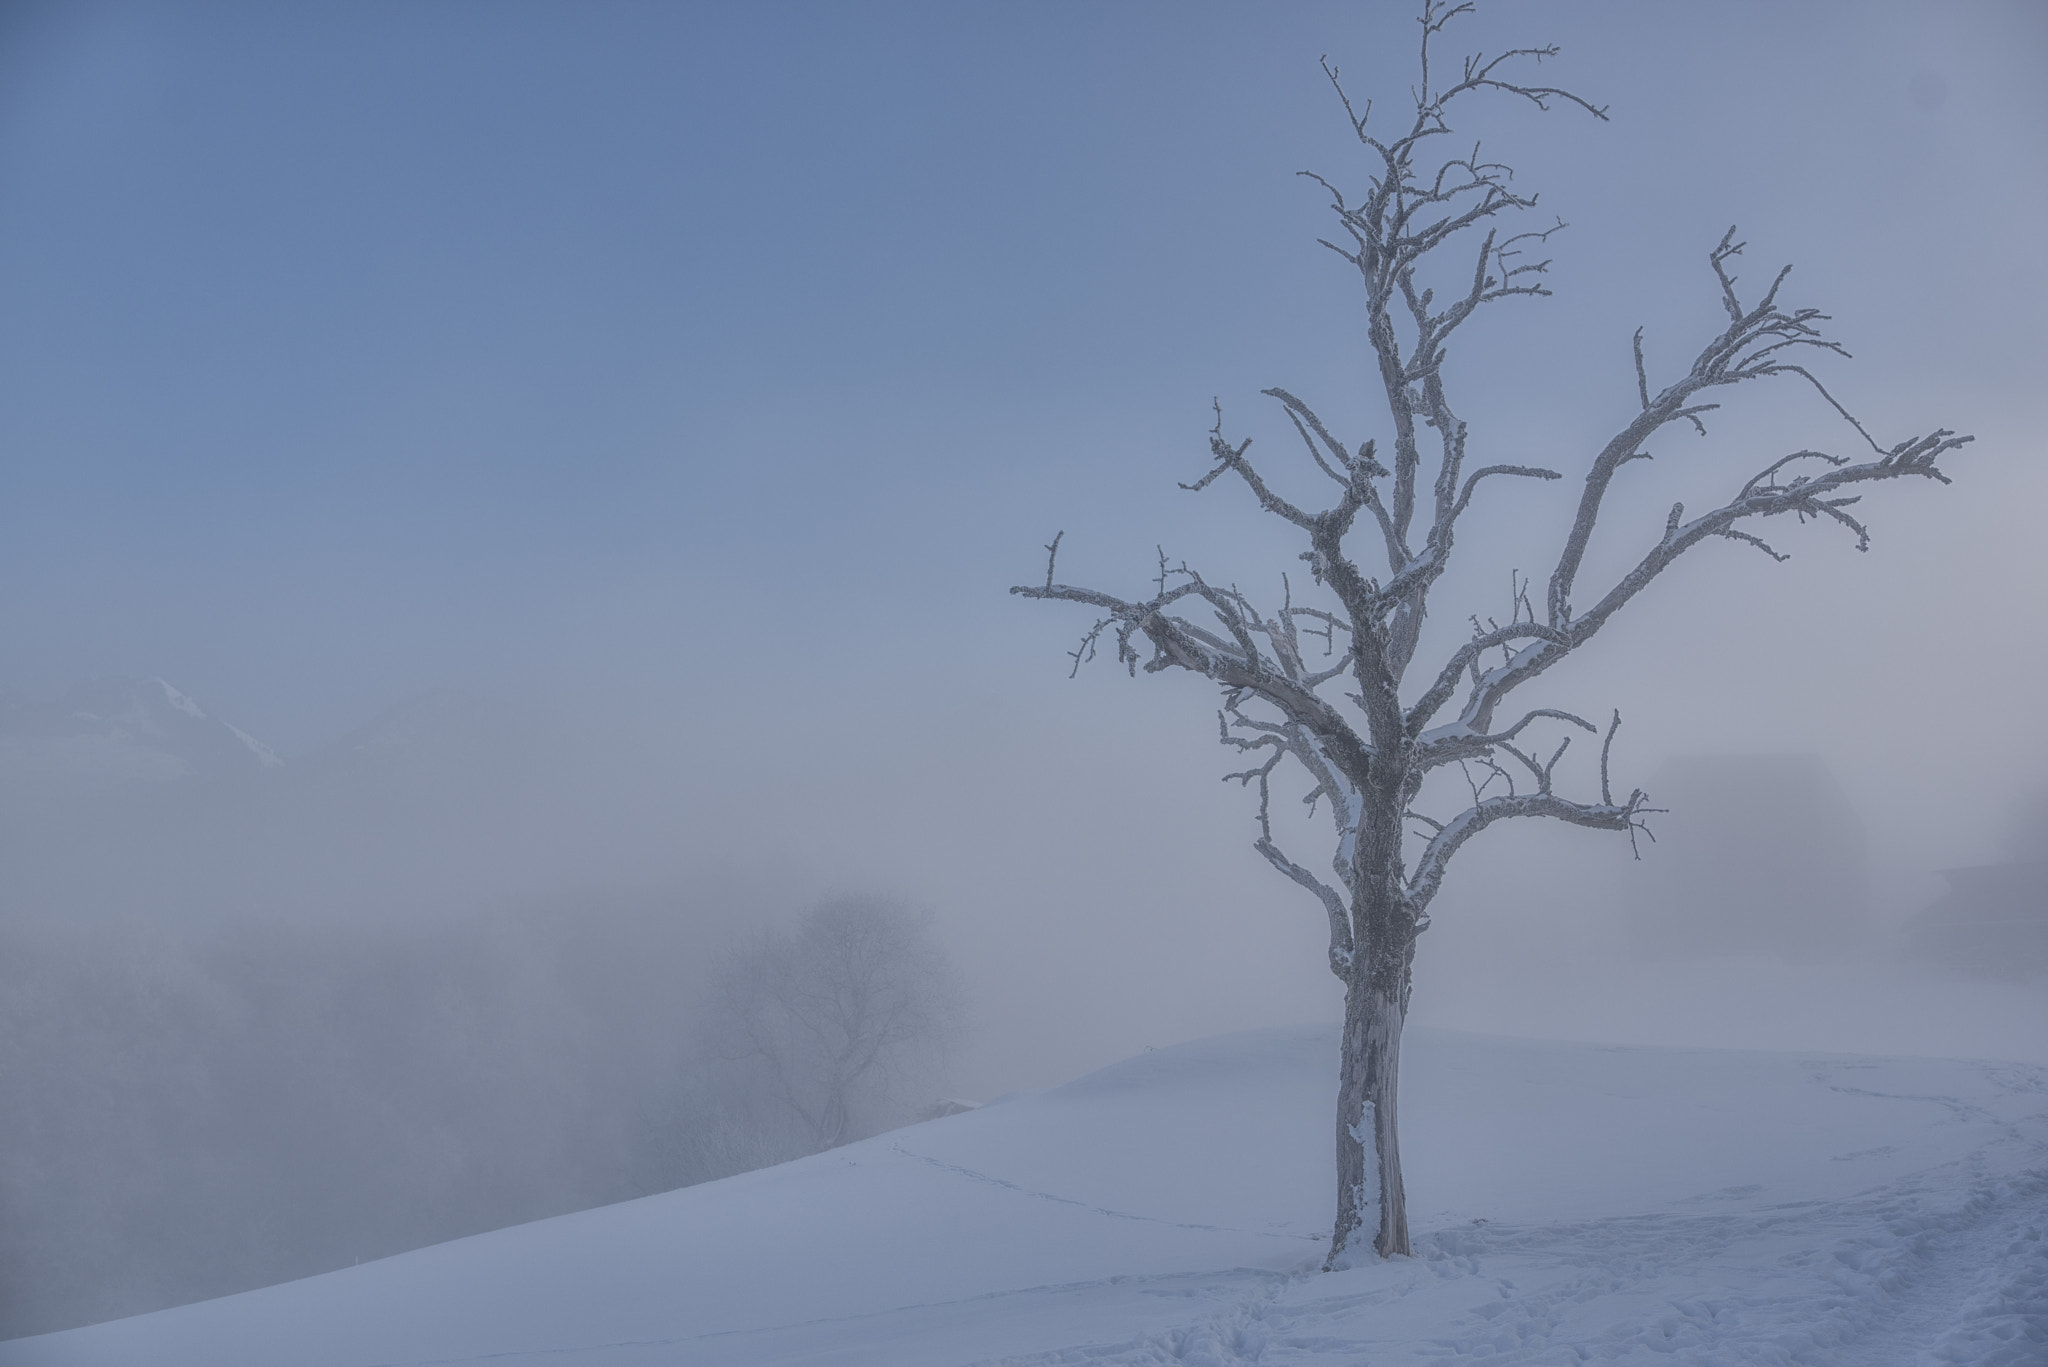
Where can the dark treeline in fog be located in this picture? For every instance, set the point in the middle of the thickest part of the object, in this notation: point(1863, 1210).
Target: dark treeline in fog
point(191, 1106)
point(183, 1116)
point(191, 1115)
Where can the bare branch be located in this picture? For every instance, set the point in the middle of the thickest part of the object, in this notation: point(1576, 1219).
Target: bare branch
point(1524, 471)
point(1754, 540)
point(1261, 774)
point(1230, 457)
point(1806, 497)
point(1359, 471)
point(1236, 663)
point(1606, 746)
point(1467, 657)
point(1085, 652)
point(1456, 743)
point(1435, 859)
point(1749, 349)
point(1342, 948)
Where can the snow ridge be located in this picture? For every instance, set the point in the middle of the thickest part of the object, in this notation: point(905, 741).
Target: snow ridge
point(1575, 1204)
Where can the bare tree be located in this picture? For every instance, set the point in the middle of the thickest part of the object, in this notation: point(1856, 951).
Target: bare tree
point(1323, 684)
point(835, 1015)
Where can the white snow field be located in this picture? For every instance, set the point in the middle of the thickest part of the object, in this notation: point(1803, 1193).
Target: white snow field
point(1572, 1204)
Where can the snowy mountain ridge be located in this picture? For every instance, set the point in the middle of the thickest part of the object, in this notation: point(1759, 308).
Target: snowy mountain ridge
point(1573, 1203)
point(122, 730)
point(138, 732)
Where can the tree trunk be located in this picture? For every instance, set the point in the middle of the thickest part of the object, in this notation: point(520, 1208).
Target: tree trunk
point(1368, 1137)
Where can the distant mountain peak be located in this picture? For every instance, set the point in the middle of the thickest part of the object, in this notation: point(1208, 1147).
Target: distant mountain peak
point(178, 700)
point(121, 729)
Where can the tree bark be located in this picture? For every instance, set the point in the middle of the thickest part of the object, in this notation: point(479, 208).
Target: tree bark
point(1368, 1109)
point(1385, 1014)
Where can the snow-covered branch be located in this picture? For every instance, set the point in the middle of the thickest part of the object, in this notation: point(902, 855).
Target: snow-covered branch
point(1341, 948)
point(1436, 856)
point(1234, 659)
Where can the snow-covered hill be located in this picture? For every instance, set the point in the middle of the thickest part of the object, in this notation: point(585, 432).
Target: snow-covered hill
point(1573, 1203)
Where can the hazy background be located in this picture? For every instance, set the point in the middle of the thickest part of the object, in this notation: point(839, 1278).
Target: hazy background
point(590, 447)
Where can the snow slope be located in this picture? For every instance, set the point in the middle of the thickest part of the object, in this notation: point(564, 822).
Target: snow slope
point(1572, 1203)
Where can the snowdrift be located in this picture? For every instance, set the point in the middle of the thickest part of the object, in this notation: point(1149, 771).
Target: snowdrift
point(1570, 1202)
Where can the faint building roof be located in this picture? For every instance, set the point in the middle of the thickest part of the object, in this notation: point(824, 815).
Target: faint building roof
point(1993, 921)
point(1756, 854)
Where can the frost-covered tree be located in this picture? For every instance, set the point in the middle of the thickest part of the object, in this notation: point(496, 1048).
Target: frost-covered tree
point(834, 1017)
point(1331, 686)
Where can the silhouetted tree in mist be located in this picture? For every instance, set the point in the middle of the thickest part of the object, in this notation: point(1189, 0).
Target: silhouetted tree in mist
point(837, 1016)
point(1320, 683)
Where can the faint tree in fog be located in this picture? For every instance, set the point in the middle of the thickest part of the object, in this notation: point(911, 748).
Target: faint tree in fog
point(1320, 682)
point(835, 1016)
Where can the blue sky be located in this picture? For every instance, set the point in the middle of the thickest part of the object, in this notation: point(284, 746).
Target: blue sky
point(351, 349)
point(395, 335)
point(737, 358)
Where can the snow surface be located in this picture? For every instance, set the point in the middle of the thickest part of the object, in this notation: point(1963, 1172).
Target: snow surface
point(1572, 1203)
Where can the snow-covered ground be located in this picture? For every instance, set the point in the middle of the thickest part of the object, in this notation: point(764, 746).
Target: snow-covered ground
point(1572, 1203)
